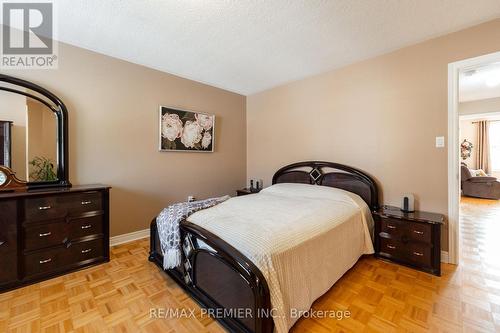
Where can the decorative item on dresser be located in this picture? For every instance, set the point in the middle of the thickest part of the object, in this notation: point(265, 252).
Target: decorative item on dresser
point(47, 227)
point(49, 232)
point(412, 239)
point(245, 191)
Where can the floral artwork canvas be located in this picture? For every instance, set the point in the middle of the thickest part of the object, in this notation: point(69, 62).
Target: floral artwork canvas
point(182, 130)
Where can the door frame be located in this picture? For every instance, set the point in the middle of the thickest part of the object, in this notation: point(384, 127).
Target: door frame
point(454, 151)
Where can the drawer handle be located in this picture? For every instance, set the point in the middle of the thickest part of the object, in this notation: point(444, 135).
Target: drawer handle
point(418, 254)
point(44, 207)
point(87, 226)
point(86, 202)
point(45, 234)
point(86, 251)
point(391, 226)
point(2, 243)
point(392, 247)
point(45, 261)
point(418, 232)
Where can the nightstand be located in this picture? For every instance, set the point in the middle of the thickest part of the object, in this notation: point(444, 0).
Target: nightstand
point(246, 191)
point(411, 239)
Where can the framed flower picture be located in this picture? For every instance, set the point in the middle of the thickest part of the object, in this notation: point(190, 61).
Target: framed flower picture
point(182, 130)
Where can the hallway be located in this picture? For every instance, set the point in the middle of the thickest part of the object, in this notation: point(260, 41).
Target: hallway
point(480, 258)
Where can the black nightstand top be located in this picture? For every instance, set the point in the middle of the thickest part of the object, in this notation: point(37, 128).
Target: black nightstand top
point(418, 216)
point(246, 191)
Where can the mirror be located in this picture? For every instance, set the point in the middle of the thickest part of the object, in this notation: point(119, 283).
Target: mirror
point(33, 133)
point(29, 137)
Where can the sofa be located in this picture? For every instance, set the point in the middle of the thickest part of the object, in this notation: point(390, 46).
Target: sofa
point(479, 187)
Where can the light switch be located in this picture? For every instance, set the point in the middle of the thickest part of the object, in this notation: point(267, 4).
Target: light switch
point(439, 141)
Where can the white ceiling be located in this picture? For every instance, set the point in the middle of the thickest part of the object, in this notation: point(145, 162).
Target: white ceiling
point(247, 46)
point(480, 83)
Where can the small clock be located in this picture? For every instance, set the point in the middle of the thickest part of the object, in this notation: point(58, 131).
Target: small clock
point(9, 181)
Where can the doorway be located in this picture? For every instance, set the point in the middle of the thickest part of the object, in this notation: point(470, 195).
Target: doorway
point(473, 91)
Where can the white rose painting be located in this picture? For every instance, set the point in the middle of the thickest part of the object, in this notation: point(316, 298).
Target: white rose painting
point(182, 130)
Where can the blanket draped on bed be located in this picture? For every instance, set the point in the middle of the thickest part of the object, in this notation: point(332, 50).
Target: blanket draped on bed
point(168, 227)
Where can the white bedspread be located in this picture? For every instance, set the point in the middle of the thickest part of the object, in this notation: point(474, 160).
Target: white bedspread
point(303, 238)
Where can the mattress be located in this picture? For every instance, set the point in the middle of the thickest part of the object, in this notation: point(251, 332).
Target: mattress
point(302, 238)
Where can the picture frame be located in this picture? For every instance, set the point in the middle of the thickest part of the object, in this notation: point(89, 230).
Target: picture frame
point(184, 130)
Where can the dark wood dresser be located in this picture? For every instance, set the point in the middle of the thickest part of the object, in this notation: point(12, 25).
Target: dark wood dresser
point(412, 239)
point(44, 233)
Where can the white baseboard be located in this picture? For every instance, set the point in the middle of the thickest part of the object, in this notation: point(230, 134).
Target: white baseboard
point(445, 257)
point(126, 238)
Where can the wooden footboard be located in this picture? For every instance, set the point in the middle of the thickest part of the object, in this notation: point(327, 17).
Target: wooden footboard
point(220, 279)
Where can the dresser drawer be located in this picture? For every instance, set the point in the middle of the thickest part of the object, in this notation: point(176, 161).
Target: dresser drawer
point(45, 261)
point(420, 232)
point(83, 202)
point(58, 207)
point(85, 226)
point(87, 250)
point(46, 208)
point(60, 258)
point(394, 228)
point(8, 227)
point(8, 242)
point(420, 254)
point(392, 247)
point(46, 235)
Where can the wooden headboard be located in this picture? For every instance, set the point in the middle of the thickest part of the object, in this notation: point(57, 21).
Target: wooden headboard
point(333, 175)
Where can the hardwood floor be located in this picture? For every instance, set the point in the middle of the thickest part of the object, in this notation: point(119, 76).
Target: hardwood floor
point(112, 297)
point(380, 296)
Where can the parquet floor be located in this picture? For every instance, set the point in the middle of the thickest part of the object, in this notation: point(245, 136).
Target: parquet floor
point(383, 297)
point(380, 296)
point(112, 297)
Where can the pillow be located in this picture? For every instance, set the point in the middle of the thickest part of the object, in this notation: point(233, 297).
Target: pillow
point(478, 173)
point(322, 192)
point(304, 190)
point(313, 192)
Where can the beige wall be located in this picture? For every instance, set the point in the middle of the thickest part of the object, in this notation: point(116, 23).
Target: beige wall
point(381, 115)
point(480, 106)
point(113, 131)
point(13, 108)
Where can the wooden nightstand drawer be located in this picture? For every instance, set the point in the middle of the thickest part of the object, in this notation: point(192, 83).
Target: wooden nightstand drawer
point(393, 248)
point(420, 232)
point(420, 254)
point(393, 227)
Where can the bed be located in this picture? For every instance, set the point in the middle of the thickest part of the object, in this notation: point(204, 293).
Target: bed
point(259, 260)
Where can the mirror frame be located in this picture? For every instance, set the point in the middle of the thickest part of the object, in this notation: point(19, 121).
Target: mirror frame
point(61, 113)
